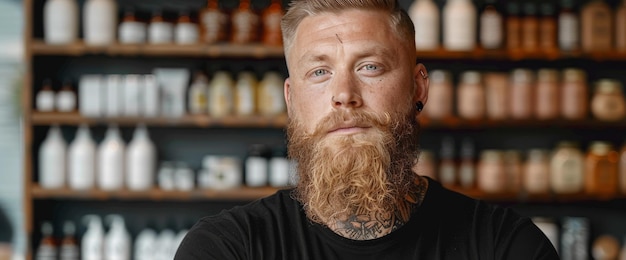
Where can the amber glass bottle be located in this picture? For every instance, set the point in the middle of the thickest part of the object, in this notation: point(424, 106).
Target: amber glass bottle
point(271, 23)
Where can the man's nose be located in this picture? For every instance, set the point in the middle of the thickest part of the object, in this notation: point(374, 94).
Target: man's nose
point(346, 93)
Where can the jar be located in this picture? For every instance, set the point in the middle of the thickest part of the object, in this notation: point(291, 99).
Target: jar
point(530, 27)
point(185, 32)
point(521, 93)
point(567, 169)
point(601, 169)
point(221, 94)
point(425, 165)
point(45, 99)
point(491, 172)
point(574, 94)
point(547, 28)
point(536, 177)
point(245, 94)
point(425, 16)
point(271, 98)
point(608, 102)
point(496, 95)
point(440, 95)
point(471, 96)
point(597, 26)
point(547, 94)
point(66, 98)
point(131, 30)
point(513, 26)
point(459, 25)
point(160, 31)
point(513, 170)
point(491, 26)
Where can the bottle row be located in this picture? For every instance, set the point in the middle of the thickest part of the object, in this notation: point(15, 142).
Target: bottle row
point(524, 94)
point(167, 92)
point(530, 26)
point(601, 171)
point(98, 243)
point(100, 26)
point(572, 238)
point(114, 165)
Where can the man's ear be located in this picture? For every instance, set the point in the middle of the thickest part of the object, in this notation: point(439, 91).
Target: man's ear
point(286, 89)
point(422, 81)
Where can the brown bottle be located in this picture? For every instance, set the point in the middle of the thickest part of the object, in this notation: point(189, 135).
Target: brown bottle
point(513, 27)
point(620, 27)
point(245, 24)
point(69, 246)
point(530, 28)
point(601, 174)
point(271, 24)
point(47, 249)
point(547, 28)
point(597, 27)
point(213, 23)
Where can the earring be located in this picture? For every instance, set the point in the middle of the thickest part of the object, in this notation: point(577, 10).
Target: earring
point(419, 106)
point(424, 75)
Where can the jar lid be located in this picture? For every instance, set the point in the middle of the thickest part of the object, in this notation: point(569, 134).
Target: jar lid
point(608, 86)
point(571, 74)
point(600, 147)
point(547, 75)
point(522, 76)
point(439, 76)
point(470, 77)
point(491, 155)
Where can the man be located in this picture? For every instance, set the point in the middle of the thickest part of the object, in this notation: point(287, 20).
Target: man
point(353, 95)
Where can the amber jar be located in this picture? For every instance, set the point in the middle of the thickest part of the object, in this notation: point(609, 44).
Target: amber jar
point(596, 26)
point(574, 97)
point(547, 94)
point(530, 27)
point(620, 28)
point(567, 169)
point(440, 95)
point(521, 94)
point(496, 95)
point(471, 96)
point(547, 28)
point(601, 169)
point(492, 176)
point(513, 26)
point(536, 177)
point(608, 101)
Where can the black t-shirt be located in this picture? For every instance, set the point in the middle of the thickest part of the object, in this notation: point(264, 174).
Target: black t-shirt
point(447, 225)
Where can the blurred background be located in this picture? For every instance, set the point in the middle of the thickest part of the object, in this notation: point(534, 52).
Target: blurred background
point(124, 122)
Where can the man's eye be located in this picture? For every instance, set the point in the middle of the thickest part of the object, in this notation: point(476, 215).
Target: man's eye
point(370, 67)
point(319, 72)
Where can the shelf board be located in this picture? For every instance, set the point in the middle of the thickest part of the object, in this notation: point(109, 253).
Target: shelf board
point(458, 123)
point(74, 118)
point(38, 47)
point(155, 194)
point(503, 54)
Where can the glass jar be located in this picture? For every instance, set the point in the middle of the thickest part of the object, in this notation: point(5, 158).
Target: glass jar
point(574, 94)
point(471, 96)
point(536, 177)
point(547, 94)
point(521, 93)
point(608, 101)
point(440, 95)
point(601, 169)
point(496, 95)
point(596, 26)
point(567, 169)
point(492, 176)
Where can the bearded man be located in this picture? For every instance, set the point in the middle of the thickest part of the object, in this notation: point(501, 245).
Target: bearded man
point(354, 94)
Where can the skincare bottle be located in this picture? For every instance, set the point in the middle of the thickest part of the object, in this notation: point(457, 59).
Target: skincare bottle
point(568, 27)
point(45, 99)
point(186, 32)
point(245, 90)
point(131, 30)
point(160, 31)
point(66, 98)
point(198, 92)
point(425, 16)
point(245, 23)
point(213, 23)
point(165, 244)
point(93, 239)
point(459, 25)
point(256, 166)
point(221, 94)
point(69, 246)
point(82, 160)
point(52, 158)
point(60, 21)
point(491, 26)
point(111, 160)
point(145, 245)
point(271, 24)
point(279, 168)
point(140, 161)
point(47, 249)
point(596, 26)
point(271, 100)
point(99, 22)
point(117, 240)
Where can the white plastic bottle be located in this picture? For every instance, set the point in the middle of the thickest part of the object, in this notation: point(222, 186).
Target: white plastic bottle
point(82, 160)
point(140, 161)
point(459, 25)
point(425, 16)
point(99, 22)
point(111, 160)
point(60, 21)
point(145, 245)
point(117, 243)
point(165, 245)
point(91, 243)
point(52, 158)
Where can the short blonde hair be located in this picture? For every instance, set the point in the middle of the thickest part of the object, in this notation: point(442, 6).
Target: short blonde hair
point(300, 9)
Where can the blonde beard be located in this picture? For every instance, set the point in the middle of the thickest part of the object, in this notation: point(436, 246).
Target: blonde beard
point(346, 175)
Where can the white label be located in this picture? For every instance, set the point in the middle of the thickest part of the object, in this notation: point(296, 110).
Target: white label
point(160, 32)
point(132, 32)
point(568, 31)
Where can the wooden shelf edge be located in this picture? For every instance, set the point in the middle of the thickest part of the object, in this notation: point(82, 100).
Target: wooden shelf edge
point(539, 198)
point(458, 123)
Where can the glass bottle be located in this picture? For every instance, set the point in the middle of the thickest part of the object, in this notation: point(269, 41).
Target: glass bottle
point(547, 28)
point(530, 27)
point(447, 165)
point(459, 25)
point(567, 169)
point(496, 95)
point(601, 173)
point(547, 94)
point(471, 96)
point(597, 26)
point(440, 95)
point(244, 23)
point(569, 32)
point(536, 177)
point(425, 16)
point(69, 245)
point(574, 104)
point(245, 94)
point(513, 26)
point(467, 167)
point(47, 249)
point(271, 100)
point(213, 23)
point(521, 94)
point(491, 172)
point(608, 103)
point(620, 28)
point(221, 94)
point(491, 26)
point(271, 24)
point(131, 29)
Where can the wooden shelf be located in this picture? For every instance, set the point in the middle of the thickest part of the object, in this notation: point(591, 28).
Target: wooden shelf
point(541, 198)
point(155, 194)
point(457, 123)
point(38, 47)
point(502, 54)
point(74, 118)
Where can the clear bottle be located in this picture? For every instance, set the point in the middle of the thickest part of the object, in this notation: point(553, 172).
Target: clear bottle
point(65, 100)
point(245, 94)
point(160, 31)
point(186, 31)
point(52, 160)
point(47, 249)
point(568, 27)
point(131, 29)
point(140, 161)
point(213, 23)
point(567, 169)
point(271, 16)
point(601, 173)
point(459, 25)
point(440, 95)
point(425, 16)
point(491, 172)
point(60, 21)
point(513, 26)
point(547, 94)
point(530, 27)
point(607, 103)
point(198, 94)
point(221, 94)
point(45, 98)
point(471, 96)
point(536, 176)
point(547, 28)
point(496, 95)
point(111, 160)
point(69, 246)
point(620, 28)
point(467, 166)
point(574, 97)
point(521, 94)
point(82, 160)
point(245, 24)
point(447, 165)
point(99, 22)
point(596, 26)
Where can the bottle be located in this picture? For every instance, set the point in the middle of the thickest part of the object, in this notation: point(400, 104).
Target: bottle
point(186, 32)
point(607, 103)
point(492, 176)
point(165, 244)
point(547, 94)
point(111, 160)
point(271, 99)
point(513, 170)
point(574, 103)
point(221, 94)
point(279, 168)
point(459, 25)
point(117, 240)
point(82, 160)
point(447, 166)
point(165, 175)
point(245, 94)
point(66, 98)
point(601, 173)
point(160, 31)
point(140, 161)
point(271, 24)
point(467, 167)
point(620, 28)
point(491, 26)
point(513, 27)
point(69, 246)
point(257, 166)
point(47, 249)
point(440, 95)
point(92, 241)
point(471, 96)
point(597, 26)
point(99, 22)
point(496, 95)
point(45, 99)
point(567, 169)
point(213, 23)
point(245, 24)
point(530, 27)
point(425, 16)
point(198, 92)
point(183, 177)
point(569, 32)
point(131, 29)
point(536, 176)
point(145, 245)
point(52, 158)
point(521, 94)
point(605, 247)
point(547, 28)
point(60, 21)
